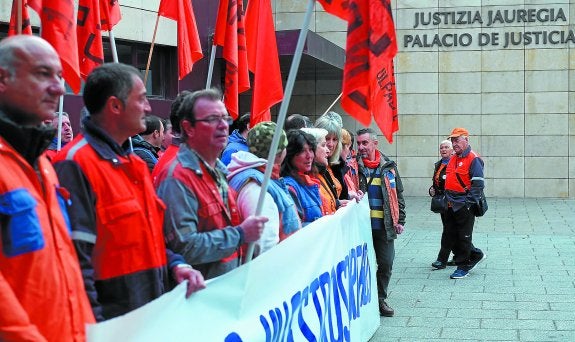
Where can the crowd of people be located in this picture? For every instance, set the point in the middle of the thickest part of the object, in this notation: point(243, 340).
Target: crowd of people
point(111, 219)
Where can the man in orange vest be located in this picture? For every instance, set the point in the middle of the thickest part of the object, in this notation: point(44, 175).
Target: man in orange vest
point(464, 185)
point(42, 295)
point(202, 220)
point(116, 216)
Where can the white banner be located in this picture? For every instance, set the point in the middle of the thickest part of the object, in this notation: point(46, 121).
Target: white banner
point(318, 285)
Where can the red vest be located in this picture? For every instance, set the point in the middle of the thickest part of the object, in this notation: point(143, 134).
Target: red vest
point(129, 215)
point(212, 212)
point(460, 166)
point(43, 293)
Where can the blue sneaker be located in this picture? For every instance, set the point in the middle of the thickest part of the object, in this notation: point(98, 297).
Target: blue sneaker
point(459, 273)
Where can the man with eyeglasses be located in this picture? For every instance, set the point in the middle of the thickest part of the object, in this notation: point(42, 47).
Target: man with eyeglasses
point(464, 185)
point(202, 221)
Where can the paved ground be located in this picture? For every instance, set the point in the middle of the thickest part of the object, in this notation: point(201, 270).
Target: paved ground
point(523, 291)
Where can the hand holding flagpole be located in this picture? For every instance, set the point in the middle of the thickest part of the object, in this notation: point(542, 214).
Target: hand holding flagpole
point(282, 114)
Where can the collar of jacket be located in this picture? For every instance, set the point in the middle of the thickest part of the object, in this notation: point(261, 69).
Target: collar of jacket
point(190, 159)
point(465, 152)
point(29, 141)
point(102, 143)
point(141, 142)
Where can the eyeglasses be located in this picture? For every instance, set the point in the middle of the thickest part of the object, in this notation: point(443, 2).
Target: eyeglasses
point(215, 119)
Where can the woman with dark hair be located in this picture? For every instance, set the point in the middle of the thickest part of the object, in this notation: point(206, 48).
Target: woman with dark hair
point(296, 169)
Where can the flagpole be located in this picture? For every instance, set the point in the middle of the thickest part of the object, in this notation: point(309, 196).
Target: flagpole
point(19, 17)
point(211, 67)
point(282, 114)
point(60, 111)
point(151, 49)
point(333, 103)
point(113, 46)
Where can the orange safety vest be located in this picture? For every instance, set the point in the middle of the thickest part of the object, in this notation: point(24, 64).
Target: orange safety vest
point(129, 214)
point(460, 166)
point(41, 286)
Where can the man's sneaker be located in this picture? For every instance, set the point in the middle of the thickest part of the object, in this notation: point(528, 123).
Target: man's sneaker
point(459, 273)
point(384, 309)
point(438, 264)
point(473, 262)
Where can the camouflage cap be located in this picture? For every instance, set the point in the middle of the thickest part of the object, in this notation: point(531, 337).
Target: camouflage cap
point(260, 139)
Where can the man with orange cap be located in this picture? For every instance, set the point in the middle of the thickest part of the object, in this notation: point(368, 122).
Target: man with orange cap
point(464, 185)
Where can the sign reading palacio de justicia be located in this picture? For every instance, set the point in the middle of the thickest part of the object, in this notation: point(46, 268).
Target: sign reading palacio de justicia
point(492, 23)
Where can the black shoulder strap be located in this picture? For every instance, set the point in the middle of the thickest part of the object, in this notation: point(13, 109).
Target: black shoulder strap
point(461, 182)
point(378, 169)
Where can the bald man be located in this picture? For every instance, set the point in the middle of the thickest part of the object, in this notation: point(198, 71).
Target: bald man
point(42, 294)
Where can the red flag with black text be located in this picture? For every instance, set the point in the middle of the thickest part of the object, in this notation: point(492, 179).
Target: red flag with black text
point(26, 27)
point(90, 49)
point(368, 80)
point(230, 34)
point(263, 60)
point(189, 48)
point(109, 14)
point(336, 7)
point(59, 29)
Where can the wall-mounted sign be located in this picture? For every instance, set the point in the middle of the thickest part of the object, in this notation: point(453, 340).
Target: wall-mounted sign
point(502, 24)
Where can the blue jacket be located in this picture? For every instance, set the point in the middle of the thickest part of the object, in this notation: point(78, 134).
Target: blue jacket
point(236, 143)
point(306, 198)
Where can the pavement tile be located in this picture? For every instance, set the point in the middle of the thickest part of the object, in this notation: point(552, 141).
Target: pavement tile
point(421, 333)
point(497, 305)
point(565, 325)
point(442, 322)
point(498, 297)
point(547, 335)
point(488, 323)
point(457, 334)
point(463, 311)
point(555, 315)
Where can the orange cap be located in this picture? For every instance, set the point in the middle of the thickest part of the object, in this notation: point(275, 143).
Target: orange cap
point(457, 132)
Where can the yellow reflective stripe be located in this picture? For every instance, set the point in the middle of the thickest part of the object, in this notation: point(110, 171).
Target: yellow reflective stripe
point(376, 214)
point(376, 181)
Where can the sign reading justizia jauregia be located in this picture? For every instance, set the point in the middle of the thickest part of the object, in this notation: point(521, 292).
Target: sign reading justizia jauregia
point(504, 28)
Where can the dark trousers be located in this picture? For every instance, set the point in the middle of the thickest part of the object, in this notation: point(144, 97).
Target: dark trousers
point(459, 231)
point(384, 255)
point(446, 243)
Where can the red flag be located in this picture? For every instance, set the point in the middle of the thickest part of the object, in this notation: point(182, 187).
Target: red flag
point(368, 81)
point(90, 49)
point(338, 8)
point(221, 23)
point(59, 29)
point(109, 14)
point(189, 48)
point(26, 27)
point(230, 33)
point(263, 60)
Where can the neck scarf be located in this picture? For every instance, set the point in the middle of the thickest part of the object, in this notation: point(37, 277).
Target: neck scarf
point(372, 164)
